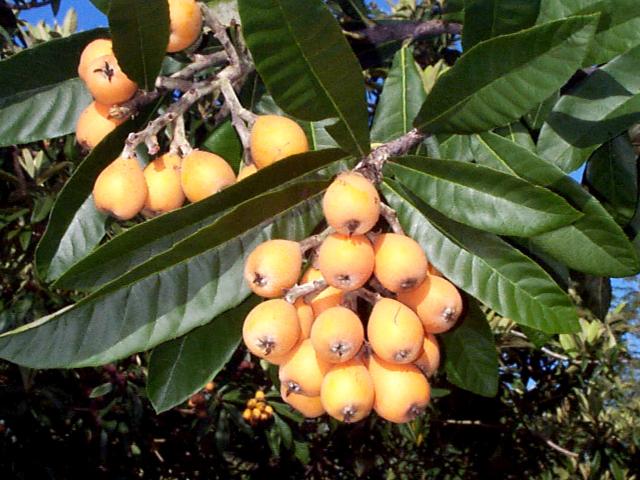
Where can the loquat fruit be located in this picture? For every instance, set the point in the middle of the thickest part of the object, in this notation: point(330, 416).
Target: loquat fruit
point(274, 137)
point(347, 391)
point(437, 302)
point(394, 331)
point(401, 264)
point(306, 317)
point(246, 414)
point(351, 204)
point(107, 83)
point(271, 329)
point(203, 174)
point(185, 24)
point(337, 335)
point(259, 396)
point(402, 392)
point(304, 370)
point(120, 189)
point(327, 298)
point(94, 123)
point(310, 407)
point(273, 267)
point(346, 262)
point(429, 360)
point(96, 48)
point(163, 182)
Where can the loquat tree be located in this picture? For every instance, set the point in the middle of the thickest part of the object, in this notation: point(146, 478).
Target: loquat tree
point(464, 122)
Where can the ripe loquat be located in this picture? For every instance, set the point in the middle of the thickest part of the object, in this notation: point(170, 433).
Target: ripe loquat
point(310, 407)
point(163, 182)
point(107, 83)
point(273, 267)
point(304, 370)
point(337, 334)
point(94, 124)
point(327, 298)
point(274, 137)
point(271, 329)
point(401, 264)
point(429, 360)
point(347, 391)
point(120, 189)
point(93, 50)
point(394, 331)
point(306, 317)
point(402, 392)
point(346, 262)
point(437, 302)
point(203, 174)
point(351, 204)
point(185, 24)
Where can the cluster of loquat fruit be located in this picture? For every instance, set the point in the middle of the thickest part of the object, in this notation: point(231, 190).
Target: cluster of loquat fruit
point(124, 189)
point(326, 365)
point(257, 409)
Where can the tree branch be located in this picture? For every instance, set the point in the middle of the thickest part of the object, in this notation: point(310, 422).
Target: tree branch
point(382, 33)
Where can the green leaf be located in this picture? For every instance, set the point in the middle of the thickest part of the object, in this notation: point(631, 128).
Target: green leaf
point(618, 29)
point(101, 390)
point(612, 176)
point(179, 368)
point(40, 94)
point(600, 108)
point(140, 30)
point(536, 117)
point(595, 243)
point(517, 133)
point(159, 234)
point(285, 431)
point(485, 19)
point(482, 197)
point(75, 226)
point(501, 79)
point(485, 266)
point(471, 358)
point(102, 5)
point(224, 141)
point(401, 99)
point(314, 75)
point(170, 294)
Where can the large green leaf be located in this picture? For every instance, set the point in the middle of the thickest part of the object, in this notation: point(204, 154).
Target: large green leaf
point(612, 176)
point(75, 227)
point(603, 106)
point(594, 244)
point(485, 19)
point(169, 295)
point(224, 141)
point(536, 117)
point(157, 235)
point(140, 30)
point(618, 29)
point(40, 93)
point(401, 99)
point(499, 80)
point(471, 358)
point(517, 133)
point(485, 266)
point(178, 368)
point(482, 197)
point(313, 75)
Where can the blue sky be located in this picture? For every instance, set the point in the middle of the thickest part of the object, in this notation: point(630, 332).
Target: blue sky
point(88, 15)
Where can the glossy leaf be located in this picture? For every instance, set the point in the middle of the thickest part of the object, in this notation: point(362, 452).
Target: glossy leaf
point(170, 294)
point(612, 176)
point(314, 75)
point(595, 243)
point(501, 79)
point(75, 227)
point(536, 117)
point(618, 29)
point(485, 266)
point(179, 368)
point(482, 197)
point(517, 133)
point(224, 141)
point(159, 234)
point(471, 358)
point(140, 31)
point(401, 98)
point(601, 107)
point(485, 19)
point(46, 104)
